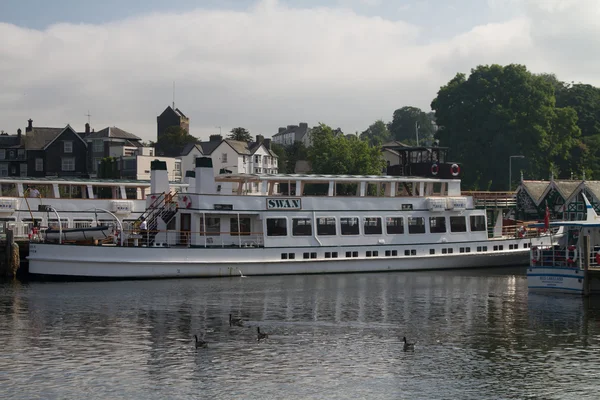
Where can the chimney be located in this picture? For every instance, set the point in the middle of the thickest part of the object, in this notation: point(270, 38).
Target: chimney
point(215, 138)
point(259, 138)
point(205, 177)
point(190, 179)
point(281, 129)
point(29, 125)
point(87, 128)
point(268, 143)
point(19, 135)
point(303, 125)
point(159, 177)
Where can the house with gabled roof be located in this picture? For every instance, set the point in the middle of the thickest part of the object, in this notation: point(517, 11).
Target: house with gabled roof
point(13, 160)
point(111, 142)
point(55, 151)
point(241, 157)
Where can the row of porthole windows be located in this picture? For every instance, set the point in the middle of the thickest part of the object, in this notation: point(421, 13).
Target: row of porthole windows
point(394, 253)
point(328, 226)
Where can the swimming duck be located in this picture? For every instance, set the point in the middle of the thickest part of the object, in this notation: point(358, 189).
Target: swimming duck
point(408, 346)
point(260, 335)
point(200, 343)
point(235, 321)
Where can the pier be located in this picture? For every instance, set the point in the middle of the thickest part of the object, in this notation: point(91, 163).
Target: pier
point(13, 256)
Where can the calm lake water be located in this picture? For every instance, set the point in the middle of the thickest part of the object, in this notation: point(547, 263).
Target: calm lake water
point(479, 336)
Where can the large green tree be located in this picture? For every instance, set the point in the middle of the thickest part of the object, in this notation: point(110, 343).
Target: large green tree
point(240, 134)
point(173, 140)
point(500, 111)
point(332, 153)
point(376, 134)
point(407, 121)
point(289, 155)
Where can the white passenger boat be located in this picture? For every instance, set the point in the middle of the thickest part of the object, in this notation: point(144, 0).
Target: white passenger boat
point(560, 268)
point(279, 224)
point(80, 202)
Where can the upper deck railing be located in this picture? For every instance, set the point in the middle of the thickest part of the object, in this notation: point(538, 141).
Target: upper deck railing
point(483, 199)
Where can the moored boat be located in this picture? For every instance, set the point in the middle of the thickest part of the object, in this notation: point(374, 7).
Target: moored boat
point(256, 224)
point(561, 268)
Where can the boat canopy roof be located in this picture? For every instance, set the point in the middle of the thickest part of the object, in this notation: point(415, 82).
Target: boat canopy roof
point(326, 178)
point(80, 181)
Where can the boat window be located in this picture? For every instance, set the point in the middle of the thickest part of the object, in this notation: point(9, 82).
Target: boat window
point(372, 225)
point(458, 224)
point(326, 226)
point(301, 227)
point(213, 226)
point(53, 223)
point(394, 225)
point(349, 226)
point(477, 223)
point(437, 224)
point(244, 226)
point(416, 225)
point(276, 227)
point(82, 223)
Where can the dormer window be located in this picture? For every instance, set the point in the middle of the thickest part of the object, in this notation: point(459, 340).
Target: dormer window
point(68, 146)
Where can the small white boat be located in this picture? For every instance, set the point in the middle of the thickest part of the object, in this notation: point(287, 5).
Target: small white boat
point(78, 234)
point(560, 268)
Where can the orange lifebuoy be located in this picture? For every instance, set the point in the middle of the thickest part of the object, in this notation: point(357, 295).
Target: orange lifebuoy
point(455, 170)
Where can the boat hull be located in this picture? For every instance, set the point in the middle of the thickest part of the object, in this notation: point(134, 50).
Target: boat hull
point(142, 262)
point(555, 279)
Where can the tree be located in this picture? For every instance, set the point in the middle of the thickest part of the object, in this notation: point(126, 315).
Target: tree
point(240, 134)
point(501, 111)
point(173, 140)
point(404, 126)
point(333, 153)
point(289, 155)
point(376, 134)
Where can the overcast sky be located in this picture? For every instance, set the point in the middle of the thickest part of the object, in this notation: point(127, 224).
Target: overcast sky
point(267, 63)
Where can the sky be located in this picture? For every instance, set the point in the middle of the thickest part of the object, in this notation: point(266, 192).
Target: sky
point(262, 64)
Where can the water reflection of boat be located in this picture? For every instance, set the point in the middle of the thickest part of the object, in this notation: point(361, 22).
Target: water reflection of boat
point(78, 234)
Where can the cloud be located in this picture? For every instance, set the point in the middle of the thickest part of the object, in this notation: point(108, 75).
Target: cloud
point(260, 68)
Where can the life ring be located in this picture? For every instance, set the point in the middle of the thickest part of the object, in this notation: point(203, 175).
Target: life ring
point(536, 255)
point(598, 257)
point(454, 169)
point(435, 169)
point(571, 258)
point(187, 201)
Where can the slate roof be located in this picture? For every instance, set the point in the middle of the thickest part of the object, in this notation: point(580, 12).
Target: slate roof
point(10, 141)
point(298, 130)
point(39, 137)
point(535, 189)
point(594, 187)
point(566, 188)
point(113, 133)
point(209, 147)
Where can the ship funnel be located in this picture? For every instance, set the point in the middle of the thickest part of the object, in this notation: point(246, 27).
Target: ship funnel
point(205, 178)
point(159, 177)
point(190, 179)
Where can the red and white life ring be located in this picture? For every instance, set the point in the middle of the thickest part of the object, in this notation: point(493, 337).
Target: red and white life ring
point(598, 257)
point(454, 169)
point(435, 169)
point(186, 202)
point(571, 254)
point(536, 255)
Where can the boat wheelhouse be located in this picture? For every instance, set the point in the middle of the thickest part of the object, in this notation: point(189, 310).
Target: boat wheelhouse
point(571, 264)
point(291, 224)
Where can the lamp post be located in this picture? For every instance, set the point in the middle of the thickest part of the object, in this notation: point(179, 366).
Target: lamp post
point(510, 170)
point(417, 131)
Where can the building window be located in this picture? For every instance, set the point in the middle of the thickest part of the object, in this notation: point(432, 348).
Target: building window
point(326, 226)
point(68, 164)
point(477, 223)
point(394, 225)
point(98, 146)
point(276, 227)
point(349, 226)
point(372, 225)
point(416, 225)
point(2, 154)
point(3, 169)
point(21, 154)
point(68, 146)
point(458, 224)
point(257, 159)
point(23, 169)
point(39, 164)
point(301, 227)
point(437, 224)
point(224, 157)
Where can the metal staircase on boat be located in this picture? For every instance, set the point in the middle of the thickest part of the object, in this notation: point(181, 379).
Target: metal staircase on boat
point(164, 207)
